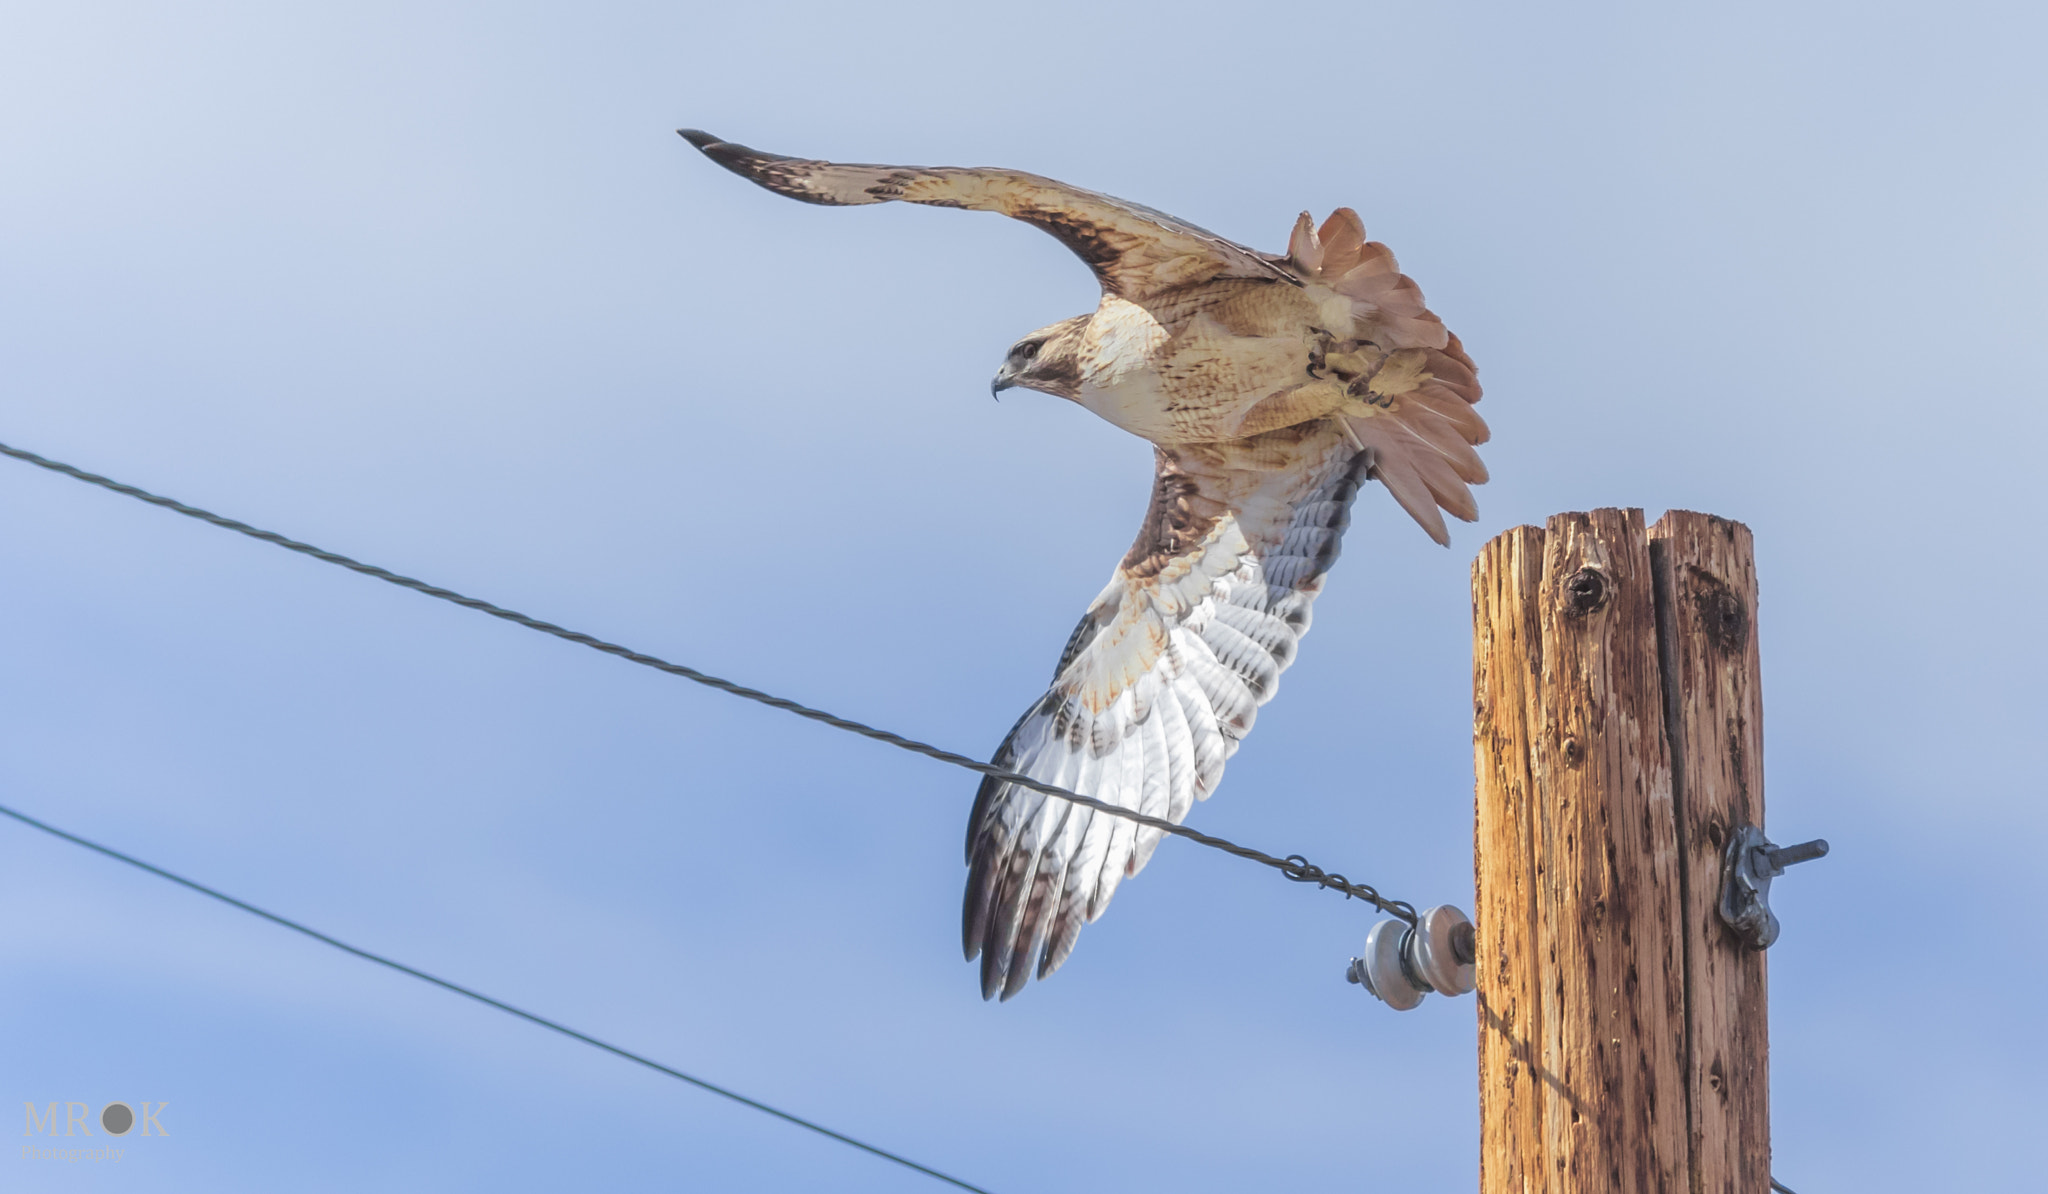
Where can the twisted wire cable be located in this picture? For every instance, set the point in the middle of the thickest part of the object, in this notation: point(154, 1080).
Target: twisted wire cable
point(1293, 866)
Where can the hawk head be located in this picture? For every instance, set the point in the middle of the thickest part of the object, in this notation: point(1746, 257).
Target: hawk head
point(1048, 360)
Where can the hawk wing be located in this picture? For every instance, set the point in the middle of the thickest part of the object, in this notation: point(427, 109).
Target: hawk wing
point(1157, 686)
point(1135, 251)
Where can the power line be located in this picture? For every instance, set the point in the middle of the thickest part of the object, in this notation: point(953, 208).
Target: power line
point(1294, 866)
point(486, 1000)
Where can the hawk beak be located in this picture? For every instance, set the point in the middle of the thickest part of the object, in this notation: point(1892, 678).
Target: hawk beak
point(1005, 380)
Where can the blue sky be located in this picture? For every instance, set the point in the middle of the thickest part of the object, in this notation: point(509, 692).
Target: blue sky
point(436, 285)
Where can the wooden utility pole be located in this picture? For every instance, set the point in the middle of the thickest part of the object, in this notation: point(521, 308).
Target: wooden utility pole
point(1617, 728)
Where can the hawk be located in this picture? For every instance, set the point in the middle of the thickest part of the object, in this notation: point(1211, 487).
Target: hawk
point(1271, 388)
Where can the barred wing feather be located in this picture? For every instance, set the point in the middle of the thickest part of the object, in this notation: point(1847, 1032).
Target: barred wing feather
point(1158, 685)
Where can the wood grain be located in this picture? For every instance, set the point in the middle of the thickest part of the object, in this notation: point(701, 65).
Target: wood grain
point(1506, 661)
point(1707, 600)
point(1581, 962)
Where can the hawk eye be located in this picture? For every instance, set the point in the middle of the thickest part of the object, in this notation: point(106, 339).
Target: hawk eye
point(1027, 349)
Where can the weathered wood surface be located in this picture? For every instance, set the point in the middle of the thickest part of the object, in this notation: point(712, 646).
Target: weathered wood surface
point(1620, 1036)
point(1707, 597)
point(1506, 663)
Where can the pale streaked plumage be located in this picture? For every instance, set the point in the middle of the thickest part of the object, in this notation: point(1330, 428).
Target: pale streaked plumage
point(1272, 387)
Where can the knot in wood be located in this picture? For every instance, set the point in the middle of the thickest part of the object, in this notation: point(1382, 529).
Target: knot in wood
point(1723, 614)
point(1586, 591)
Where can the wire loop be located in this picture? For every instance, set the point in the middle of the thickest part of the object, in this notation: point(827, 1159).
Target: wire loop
point(1301, 870)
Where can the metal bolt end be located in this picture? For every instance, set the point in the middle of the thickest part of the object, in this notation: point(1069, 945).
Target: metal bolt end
point(1464, 943)
point(1781, 857)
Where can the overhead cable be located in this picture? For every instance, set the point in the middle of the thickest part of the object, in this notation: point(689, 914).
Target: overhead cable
point(1295, 866)
point(486, 1000)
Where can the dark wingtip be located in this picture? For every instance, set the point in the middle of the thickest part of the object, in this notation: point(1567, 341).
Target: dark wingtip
point(742, 160)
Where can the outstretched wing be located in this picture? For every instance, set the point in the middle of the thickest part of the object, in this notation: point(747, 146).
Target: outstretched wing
point(1158, 685)
point(1135, 251)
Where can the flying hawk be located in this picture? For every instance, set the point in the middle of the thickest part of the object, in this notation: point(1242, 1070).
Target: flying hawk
point(1271, 387)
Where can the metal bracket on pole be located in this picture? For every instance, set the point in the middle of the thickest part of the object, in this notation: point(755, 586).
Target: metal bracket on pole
point(1747, 868)
point(1404, 963)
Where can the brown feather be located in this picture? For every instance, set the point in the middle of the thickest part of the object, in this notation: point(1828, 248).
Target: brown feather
point(1343, 240)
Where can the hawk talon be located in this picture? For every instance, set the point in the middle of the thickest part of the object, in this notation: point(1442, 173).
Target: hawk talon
point(1361, 388)
point(1318, 354)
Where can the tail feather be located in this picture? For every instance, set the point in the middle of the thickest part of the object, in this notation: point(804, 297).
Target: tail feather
point(1415, 411)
